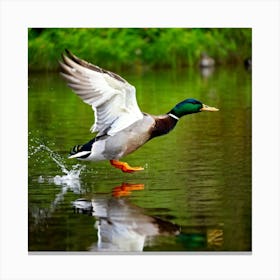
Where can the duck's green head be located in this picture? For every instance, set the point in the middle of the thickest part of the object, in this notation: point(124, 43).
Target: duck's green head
point(190, 106)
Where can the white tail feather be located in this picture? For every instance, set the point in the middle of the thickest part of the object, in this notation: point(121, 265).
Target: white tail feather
point(80, 154)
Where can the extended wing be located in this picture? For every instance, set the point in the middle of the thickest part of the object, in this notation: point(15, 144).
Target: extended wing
point(112, 98)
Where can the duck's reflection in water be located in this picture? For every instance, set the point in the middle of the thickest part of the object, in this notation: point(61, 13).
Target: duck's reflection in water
point(122, 226)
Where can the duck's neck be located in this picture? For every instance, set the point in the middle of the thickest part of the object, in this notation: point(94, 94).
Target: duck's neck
point(163, 124)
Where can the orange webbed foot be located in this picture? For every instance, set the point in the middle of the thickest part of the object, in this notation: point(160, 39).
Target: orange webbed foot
point(124, 166)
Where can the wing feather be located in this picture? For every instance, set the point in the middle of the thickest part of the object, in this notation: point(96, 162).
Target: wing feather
point(112, 98)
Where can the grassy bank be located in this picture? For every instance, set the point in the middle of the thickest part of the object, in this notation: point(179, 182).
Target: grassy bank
point(117, 48)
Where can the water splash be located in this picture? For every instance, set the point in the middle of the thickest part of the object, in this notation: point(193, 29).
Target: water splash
point(69, 180)
point(71, 177)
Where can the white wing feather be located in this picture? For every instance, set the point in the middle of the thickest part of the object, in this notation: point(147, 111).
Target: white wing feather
point(112, 98)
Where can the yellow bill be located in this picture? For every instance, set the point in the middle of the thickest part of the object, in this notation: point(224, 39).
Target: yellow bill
point(208, 108)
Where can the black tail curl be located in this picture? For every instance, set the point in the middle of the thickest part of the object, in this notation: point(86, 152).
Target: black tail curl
point(75, 150)
point(80, 148)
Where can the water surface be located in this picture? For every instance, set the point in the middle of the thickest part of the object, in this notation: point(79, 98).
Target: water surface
point(195, 191)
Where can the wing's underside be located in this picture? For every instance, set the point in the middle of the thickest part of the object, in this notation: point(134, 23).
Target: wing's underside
point(112, 98)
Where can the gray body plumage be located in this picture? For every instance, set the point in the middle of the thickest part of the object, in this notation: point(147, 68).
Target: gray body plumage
point(124, 142)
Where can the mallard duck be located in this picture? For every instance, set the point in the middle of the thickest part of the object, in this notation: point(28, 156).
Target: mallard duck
point(120, 125)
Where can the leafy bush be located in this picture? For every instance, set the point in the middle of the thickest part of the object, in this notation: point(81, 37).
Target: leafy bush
point(116, 48)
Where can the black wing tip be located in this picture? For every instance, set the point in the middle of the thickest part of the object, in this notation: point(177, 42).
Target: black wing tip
point(80, 61)
point(90, 66)
point(70, 54)
point(74, 58)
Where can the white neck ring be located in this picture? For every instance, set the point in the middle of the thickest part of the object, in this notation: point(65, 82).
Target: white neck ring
point(173, 116)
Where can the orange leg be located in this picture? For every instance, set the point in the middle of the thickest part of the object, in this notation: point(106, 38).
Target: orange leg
point(125, 166)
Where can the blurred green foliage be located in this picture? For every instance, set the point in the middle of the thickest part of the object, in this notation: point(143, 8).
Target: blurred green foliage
point(117, 48)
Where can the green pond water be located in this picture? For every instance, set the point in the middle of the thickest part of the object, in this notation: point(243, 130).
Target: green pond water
point(195, 191)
